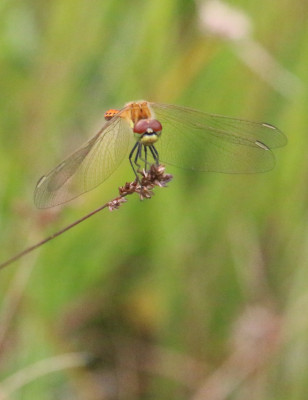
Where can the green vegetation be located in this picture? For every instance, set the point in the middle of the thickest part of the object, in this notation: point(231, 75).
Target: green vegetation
point(200, 292)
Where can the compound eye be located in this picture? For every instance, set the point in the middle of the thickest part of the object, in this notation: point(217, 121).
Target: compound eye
point(147, 125)
point(110, 114)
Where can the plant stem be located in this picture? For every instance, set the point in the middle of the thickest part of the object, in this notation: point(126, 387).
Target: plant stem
point(51, 237)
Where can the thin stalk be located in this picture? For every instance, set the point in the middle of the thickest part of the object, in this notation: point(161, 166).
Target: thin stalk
point(49, 238)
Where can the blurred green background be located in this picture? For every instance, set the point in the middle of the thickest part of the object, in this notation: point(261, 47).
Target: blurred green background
point(200, 292)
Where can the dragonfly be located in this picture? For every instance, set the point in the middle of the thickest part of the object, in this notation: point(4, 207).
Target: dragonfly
point(146, 132)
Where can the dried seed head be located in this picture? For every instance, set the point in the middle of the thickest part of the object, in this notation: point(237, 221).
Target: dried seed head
point(115, 203)
point(155, 176)
point(128, 188)
point(145, 192)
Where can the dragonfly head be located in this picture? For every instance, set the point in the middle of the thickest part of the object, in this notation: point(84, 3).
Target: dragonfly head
point(147, 131)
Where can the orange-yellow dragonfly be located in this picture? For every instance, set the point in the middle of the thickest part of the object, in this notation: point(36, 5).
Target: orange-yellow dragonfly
point(190, 139)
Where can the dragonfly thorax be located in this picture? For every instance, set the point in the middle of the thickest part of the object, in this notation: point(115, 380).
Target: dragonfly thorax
point(147, 131)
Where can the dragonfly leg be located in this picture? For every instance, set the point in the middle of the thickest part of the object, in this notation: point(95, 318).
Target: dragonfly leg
point(145, 156)
point(154, 153)
point(136, 149)
point(138, 155)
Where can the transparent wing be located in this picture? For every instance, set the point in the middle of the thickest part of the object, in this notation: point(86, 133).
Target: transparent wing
point(205, 142)
point(87, 167)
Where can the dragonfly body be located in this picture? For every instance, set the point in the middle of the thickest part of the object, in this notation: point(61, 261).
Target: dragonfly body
point(190, 139)
point(140, 117)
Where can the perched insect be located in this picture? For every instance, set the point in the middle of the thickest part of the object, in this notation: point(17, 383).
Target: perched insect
point(191, 139)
